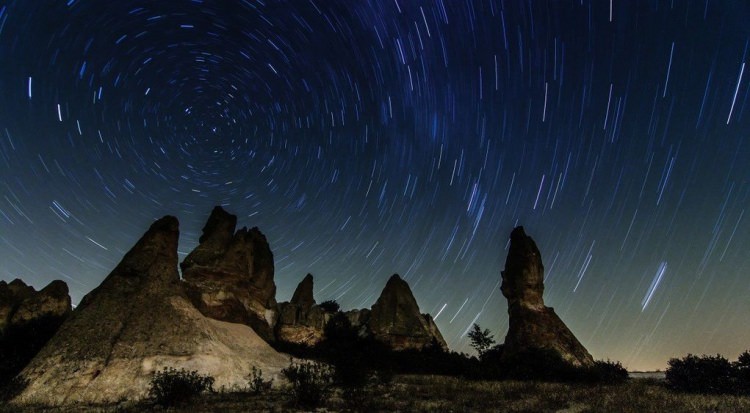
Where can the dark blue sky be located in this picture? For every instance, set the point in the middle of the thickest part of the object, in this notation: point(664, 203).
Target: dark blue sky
point(367, 138)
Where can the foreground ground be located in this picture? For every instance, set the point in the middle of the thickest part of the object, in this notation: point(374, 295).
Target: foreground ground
point(448, 394)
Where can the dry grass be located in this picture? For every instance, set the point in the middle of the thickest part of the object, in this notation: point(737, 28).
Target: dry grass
point(448, 394)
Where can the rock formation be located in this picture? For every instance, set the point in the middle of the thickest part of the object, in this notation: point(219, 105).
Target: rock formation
point(137, 321)
point(396, 321)
point(532, 324)
point(300, 320)
point(20, 303)
point(229, 275)
point(28, 319)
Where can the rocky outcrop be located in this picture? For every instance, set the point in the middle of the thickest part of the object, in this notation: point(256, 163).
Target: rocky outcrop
point(52, 301)
point(137, 321)
point(229, 275)
point(301, 321)
point(532, 324)
point(28, 319)
point(396, 321)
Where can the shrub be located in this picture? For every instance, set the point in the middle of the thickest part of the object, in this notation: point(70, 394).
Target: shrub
point(310, 382)
point(742, 372)
point(330, 306)
point(701, 374)
point(171, 387)
point(257, 383)
point(608, 372)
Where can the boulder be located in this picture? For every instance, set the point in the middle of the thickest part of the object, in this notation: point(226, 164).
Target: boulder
point(139, 320)
point(532, 324)
point(395, 319)
point(229, 275)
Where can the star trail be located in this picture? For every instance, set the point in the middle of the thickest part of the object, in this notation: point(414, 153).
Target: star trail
point(373, 137)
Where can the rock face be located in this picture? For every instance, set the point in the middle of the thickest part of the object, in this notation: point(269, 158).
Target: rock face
point(300, 320)
point(532, 324)
point(396, 321)
point(28, 319)
point(137, 321)
point(229, 275)
point(52, 301)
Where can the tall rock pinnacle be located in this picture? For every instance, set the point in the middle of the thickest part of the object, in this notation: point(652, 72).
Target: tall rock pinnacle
point(532, 324)
point(230, 274)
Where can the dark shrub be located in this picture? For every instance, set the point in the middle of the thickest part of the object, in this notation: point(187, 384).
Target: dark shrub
point(310, 382)
point(330, 306)
point(701, 374)
point(171, 387)
point(538, 364)
point(608, 372)
point(742, 372)
point(256, 383)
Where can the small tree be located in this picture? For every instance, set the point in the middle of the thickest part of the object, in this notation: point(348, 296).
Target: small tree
point(481, 340)
point(330, 306)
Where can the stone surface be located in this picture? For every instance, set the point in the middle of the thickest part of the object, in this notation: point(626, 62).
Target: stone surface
point(21, 304)
point(396, 321)
point(229, 275)
point(300, 320)
point(532, 324)
point(137, 321)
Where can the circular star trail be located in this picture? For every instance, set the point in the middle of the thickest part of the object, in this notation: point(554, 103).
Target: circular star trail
point(376, 137)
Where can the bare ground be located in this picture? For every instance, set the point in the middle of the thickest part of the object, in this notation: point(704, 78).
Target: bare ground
point(449, 394)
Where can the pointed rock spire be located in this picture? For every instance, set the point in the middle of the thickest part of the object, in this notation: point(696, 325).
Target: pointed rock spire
point(395, 319)
point(532, 325)
point(303, 295)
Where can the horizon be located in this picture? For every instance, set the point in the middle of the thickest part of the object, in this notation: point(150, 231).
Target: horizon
point(400, 137)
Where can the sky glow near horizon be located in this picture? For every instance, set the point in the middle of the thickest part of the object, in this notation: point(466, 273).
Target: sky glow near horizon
point(376, 137)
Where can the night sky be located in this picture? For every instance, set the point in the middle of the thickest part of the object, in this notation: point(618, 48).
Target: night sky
point(367, 138)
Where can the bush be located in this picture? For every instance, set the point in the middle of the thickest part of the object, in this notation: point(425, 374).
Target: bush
point(257, 383)
point(171, 387)
point(310, 382)
point(701, 374)
point(608, 372)
point(742, 372)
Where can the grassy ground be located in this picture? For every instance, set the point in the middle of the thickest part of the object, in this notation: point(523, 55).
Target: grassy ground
point(447, 394)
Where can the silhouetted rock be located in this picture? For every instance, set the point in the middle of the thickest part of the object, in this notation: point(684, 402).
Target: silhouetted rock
point(138, 321)
point(52, 301)
point(28, 318)
point(11, 295)
point(532, 325)
point(396, 321)
point(303, 294)
point(300, 320)
point(229, 275)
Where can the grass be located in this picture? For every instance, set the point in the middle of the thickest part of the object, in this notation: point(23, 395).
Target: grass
point(449, 394)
